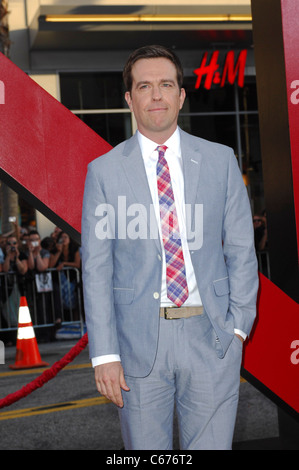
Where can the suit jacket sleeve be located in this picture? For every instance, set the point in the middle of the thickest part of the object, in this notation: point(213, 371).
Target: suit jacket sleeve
point(97, 272)
point(239, 250)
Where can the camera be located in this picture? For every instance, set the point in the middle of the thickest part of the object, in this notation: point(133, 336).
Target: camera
point(11, 219)
point(34, 243)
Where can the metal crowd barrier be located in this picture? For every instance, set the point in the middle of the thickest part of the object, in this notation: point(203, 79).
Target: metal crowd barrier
point(54, 297)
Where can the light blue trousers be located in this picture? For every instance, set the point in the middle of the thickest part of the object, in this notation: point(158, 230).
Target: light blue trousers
point(189, 375)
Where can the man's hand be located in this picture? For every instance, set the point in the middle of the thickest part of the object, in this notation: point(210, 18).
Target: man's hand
point(110, 380)
point(240, 338)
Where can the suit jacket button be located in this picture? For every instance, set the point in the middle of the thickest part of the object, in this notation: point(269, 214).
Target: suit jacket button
point(156, 295)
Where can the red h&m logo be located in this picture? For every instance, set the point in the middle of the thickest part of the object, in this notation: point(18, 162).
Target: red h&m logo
point(230, 70)
point(2, 93)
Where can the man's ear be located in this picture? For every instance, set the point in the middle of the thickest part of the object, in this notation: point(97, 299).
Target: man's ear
point(128, 99)
point(182, 97)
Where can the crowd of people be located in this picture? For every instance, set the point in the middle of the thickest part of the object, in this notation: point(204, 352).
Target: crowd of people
point(24, 256)
point(22, 250)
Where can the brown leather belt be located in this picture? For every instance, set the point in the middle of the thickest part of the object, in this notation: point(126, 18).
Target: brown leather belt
point(173, 313)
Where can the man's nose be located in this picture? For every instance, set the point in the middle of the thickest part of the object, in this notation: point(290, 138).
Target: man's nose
point(156, 93)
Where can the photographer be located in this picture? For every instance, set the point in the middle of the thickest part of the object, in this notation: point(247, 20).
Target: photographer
point(38, 257)
point(65, 255)
point(14, 259)
point(14, 262)
point(39, 285)
point(260, 231)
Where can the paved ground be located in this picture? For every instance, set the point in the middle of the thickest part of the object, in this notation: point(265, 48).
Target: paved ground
point(68, 413)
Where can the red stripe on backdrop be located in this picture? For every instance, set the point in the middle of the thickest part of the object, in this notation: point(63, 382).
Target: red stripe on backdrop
point(269, 355)
point(44, 147)
point(290, 14)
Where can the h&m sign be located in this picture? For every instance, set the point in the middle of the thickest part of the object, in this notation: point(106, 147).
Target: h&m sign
point(231, 71)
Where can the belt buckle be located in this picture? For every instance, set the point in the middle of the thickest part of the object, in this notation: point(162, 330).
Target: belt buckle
point(166, 313)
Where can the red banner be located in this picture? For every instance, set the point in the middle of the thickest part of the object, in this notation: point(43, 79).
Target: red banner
point(44, 147)
point(272, 353)
point(290, 15)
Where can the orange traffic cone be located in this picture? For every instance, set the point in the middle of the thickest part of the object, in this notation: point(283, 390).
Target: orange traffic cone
point(27, 354)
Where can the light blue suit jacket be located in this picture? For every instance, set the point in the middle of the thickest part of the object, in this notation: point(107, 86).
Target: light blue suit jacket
point(122, 275)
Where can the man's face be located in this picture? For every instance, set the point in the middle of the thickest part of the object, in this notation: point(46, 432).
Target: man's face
point(155, 98)
point(34, 239)
point(12, 243)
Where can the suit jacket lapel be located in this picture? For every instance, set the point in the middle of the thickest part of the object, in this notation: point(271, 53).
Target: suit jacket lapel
point(136, 175)
point(192, 159)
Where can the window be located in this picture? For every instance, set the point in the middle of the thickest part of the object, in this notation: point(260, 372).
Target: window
point(98, 99)
point(227, 115)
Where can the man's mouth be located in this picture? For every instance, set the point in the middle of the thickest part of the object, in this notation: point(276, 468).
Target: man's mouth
point(153, 110)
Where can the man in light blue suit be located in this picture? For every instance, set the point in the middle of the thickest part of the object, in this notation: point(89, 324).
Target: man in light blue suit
point(152, 351)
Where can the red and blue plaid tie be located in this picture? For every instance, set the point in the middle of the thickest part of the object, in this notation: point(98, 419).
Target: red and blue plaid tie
point(177, 289)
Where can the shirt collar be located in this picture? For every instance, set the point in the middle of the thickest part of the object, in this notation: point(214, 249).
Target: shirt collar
point(148, 146)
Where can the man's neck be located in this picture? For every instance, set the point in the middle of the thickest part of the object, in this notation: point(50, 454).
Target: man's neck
point(158, 138)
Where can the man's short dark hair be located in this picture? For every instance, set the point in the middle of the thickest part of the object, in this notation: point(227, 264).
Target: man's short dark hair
point(151, 52)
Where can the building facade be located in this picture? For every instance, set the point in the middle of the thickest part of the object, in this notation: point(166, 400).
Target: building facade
point(76, 51)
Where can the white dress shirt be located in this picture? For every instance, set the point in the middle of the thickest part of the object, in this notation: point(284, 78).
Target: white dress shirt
point(174, 159)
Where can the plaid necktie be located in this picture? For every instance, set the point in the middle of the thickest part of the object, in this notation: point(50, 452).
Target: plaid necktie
point(177, 289)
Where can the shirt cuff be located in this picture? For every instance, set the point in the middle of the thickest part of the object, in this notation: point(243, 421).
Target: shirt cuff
point(99, 360)
point(241, 333)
